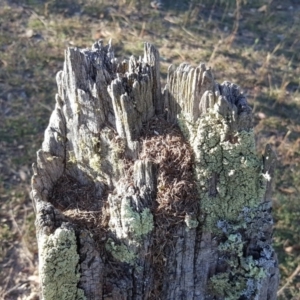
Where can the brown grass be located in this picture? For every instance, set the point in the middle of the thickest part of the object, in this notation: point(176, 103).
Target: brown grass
point(164, 145)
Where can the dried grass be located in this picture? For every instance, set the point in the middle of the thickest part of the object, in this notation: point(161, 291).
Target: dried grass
point(81, 207)
point(164, 145)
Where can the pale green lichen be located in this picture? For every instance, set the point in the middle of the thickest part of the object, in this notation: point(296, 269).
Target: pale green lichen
point(117, 150)
point(222, 286)
point(99, 154)
point(135, 223)
point(242, 268)
point(95, 162)
point(231, 186)
point(59, 266)
point(233, 161)
point(239, 175)
point(244, 275)
point(191, 222)
point(72, 157)
point(245, 266)
point(120, 252)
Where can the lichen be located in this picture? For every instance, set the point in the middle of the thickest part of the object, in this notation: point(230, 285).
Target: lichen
point(95, 162)
point(223, 286)
point(191, 222)
point(230, 157)
point(135, 223)
point(244, 268)
point(129, 236)
point(117, 150)
point(72, 157)
point(120, 252)
point(59, 266)
point(231, 185)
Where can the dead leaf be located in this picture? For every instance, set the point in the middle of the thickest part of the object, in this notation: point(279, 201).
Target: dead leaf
point(23, 175)
point(261, 115)
point(291, 249)
point(288, 190)
point(263, 8)
point(29, 33)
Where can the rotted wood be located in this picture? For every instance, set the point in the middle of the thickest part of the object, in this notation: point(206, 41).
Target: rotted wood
point(141, 193)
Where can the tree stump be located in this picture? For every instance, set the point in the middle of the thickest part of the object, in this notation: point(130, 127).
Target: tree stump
point(141, 193)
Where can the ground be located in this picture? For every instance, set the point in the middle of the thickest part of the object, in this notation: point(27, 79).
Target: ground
point(252, 43)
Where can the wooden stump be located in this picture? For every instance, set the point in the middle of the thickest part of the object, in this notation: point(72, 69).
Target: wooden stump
point(144, 194)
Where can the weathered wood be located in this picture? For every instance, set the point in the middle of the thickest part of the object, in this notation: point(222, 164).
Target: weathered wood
point(144, 194)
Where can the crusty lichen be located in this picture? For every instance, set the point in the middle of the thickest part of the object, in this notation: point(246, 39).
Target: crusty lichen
point(117, 150)
point(231, 158)
point(120, 252)
point(245, 273)
point(130, 225)
point(231, 184)
point(95, 162)
point(72, 157)
point(135, 223)
point(191, 222)
point(59, 266)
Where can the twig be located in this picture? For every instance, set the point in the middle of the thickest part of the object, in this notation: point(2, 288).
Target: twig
point(289, 280)
point(236, 25)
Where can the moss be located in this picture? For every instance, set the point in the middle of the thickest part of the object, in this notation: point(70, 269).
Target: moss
point(136, 224)
point(120, 252)
point(59, 266)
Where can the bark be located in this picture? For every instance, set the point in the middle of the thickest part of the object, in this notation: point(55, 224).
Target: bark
point(144, 194)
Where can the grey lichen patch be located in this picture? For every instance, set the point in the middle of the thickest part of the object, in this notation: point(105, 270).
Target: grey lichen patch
point(120, 252)
point(135, 224)
point(59, 266)
point(246, 264)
